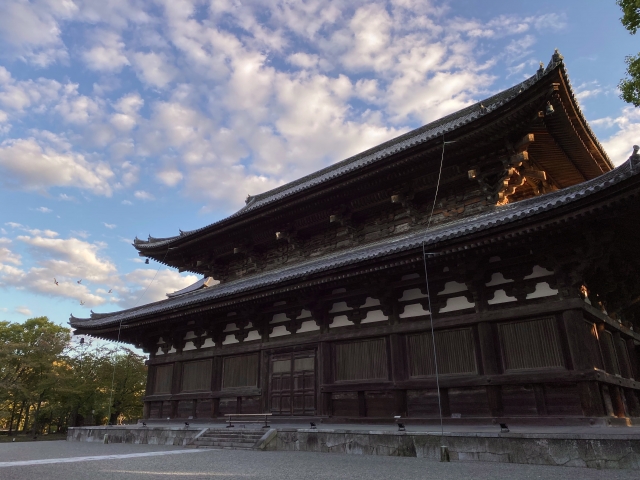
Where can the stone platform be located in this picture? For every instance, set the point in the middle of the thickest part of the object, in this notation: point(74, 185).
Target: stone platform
point(593, 447)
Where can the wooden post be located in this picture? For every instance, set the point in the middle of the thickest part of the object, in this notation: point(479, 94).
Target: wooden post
point(362, 404)
point(263, 381)
point(618, 402)
point(623, 355)
point(633, 404)
point(591, 400)
point(324, 378)
point(216, 384)
point(488, 350)
point(579, 355)
point(494, 397)
point(633, 357)
point(541, 401)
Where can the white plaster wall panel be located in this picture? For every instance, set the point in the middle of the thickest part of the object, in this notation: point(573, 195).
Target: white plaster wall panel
point(339, 307)
point(371, 302)
point(249, 325)
point(340, 321)
point(542, 290)
point(229, 339)
point(308, 326)
point(173, 350)
point(538, 271)
point(160, 341)
point(500, 296)
point(253, 335)
point(498, 279)
point(457, 303)
point(231, 327)
point(159, 352)
point(188, 346)
point(279, 318)
point(190, 335)
point(412, 295)
point(304, 314)
point(374, 316)
point(279, 331)
point(414, 310)
point(208, 343)
point(453, 287)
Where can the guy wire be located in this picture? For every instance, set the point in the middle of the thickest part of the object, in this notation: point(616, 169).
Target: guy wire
point(113, 373)
point(426, 278)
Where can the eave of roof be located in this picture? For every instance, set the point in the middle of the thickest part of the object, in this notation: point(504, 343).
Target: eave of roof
point(456, 230)
point(447, 124)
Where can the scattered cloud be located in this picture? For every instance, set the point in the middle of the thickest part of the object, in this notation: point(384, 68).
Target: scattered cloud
point(22, 310)
point(110, 226)
point(43, 210)
point(619, 145)
point(142, 195)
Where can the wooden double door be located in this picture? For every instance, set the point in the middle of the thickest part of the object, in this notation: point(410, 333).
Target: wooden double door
point(293, 383)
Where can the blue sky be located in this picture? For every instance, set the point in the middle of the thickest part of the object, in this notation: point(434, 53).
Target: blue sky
point(124, 117)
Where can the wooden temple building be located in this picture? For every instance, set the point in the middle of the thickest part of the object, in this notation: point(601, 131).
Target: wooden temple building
point(314, 301)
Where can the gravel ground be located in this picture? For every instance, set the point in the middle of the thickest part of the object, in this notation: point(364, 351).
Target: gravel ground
point(232, 464)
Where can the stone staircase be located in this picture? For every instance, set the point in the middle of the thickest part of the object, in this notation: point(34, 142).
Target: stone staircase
point(230, 438)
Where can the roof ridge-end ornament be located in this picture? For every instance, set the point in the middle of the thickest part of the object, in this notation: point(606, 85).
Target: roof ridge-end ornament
point(634, 159)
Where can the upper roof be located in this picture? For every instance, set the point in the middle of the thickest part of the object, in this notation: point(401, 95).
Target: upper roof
point(438, 128)
point(496, 216)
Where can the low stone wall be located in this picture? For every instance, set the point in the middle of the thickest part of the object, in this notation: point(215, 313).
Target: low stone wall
point(598, 451)
point(572, 450)
point(134, 434)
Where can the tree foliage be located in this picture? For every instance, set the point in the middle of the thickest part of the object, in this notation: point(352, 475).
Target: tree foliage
point(630, 85)
point(49, 382)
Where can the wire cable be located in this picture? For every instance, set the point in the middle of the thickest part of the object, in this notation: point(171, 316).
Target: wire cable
point(426, 278)
point(113, 373)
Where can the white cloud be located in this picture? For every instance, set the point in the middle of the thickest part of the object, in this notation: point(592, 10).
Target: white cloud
point(107, 54)
point(619, 146)
point(170, 177)
point(110, 226)
point(142, 195)
point(31, 164)
point(43, 210)
point(154, 69)
point(22, 310)
point(166, 281)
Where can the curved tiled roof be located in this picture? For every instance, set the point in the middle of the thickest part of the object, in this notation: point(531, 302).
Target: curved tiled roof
point(420, 135)
point(500, 215)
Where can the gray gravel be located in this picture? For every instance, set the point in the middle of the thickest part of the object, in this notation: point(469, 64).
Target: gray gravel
point(231, 464)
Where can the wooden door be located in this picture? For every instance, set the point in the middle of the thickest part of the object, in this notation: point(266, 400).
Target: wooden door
point(293, 383)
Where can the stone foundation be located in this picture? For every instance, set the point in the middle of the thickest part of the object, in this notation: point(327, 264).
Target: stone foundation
point(572, 450)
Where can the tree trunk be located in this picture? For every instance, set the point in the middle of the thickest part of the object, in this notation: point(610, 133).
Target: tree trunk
point(34, 430)
point(13, 414)
point(25, 427)
point(20, 416)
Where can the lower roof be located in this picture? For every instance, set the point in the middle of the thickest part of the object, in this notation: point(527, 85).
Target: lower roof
point(441, 235)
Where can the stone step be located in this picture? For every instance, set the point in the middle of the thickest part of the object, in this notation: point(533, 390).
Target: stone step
point(248, 437)
point(223, 444)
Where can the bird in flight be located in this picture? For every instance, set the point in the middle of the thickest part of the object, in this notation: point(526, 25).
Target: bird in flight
point(110, 290)
point(81, 302)
point(55, 281)
point(79, 281)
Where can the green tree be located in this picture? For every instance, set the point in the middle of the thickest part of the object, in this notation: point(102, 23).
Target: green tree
point(630, 85)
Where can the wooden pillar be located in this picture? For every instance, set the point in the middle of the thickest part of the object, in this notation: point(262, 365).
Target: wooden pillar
point(633, 402)
point(574, 327)
point(362, 405)
point(488, 350)
point(591, 400)
point(324, 378)
point(263, 381)
point(632, 348)
point(618, 402)
point(623, 355)
point(541, 401)
point(494, 397)
point(399, 373)
point(606, 398)
point(216, 384)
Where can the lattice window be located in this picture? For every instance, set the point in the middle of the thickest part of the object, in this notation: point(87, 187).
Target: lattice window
point(455, 349)
point(196, 376)
point(364, 360)
point(164, 375)
point(240, 371)
point(531, 344)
